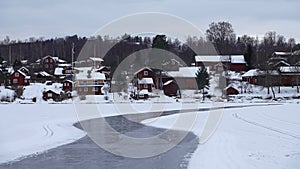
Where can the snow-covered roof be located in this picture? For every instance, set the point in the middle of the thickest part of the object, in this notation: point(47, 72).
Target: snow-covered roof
point(250, 73)
point(212, 58)
point(64, 65)
point(102, 67)
point(282, 53)
point(54, 90)
point(22, 73)
point(237, 59)
point(233, 85)
point(146, 80)
point(143, 69)
point(69, 81)
point(24, 61)
point(184, 72)
point(83, 74)
point(58, 71)
point(43, 73)
point(54, 58)
point(144, 91)
point(96, 59)
point(54, 87)
point(282, 62)
point(168, 82)
point(289, 69)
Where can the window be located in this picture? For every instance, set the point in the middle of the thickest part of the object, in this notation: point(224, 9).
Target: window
point(17, 74)
point(46, 60)
point(145, 73)
point(80, 89)
point(46, 66)
point(95, 89)
point(86, 89)
point(25, 81)
point(145, 86)
point(51, 60)
point(15, 81)
point(49, 95)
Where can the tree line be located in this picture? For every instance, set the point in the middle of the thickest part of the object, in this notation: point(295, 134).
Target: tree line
point(220, 34)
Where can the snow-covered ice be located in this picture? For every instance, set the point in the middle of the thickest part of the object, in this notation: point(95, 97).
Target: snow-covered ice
point(33, 128)
point(251, 137)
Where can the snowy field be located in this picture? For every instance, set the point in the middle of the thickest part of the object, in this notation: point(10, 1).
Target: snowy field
point(251, 137)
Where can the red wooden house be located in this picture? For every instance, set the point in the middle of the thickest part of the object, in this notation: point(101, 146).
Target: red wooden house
point(251, 76)
point(52, 94)
point(231, 90)
point(48, 63)
point(145, 79)
point(145, 83)
point(67, 85)
point(19, 78)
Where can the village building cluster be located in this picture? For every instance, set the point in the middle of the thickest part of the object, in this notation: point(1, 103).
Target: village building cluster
point(89, 76)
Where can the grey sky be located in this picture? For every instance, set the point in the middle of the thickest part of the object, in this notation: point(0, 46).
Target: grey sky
point(21, 19)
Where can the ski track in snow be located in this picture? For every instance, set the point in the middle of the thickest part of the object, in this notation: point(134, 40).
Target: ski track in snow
point(236, 115)
point(48, 130)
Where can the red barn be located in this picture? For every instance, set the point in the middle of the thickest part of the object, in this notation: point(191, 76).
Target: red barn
point(170, 88)
point(19, 78)
point(238, 63)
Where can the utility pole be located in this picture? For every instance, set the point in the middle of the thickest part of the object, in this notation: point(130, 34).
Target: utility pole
point(73, 53)
point(9, 51)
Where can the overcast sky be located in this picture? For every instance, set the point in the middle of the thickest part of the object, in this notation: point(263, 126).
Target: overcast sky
point(21, 19)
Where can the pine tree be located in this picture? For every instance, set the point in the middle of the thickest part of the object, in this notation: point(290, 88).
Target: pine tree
point(248, 56)
point(202, 79)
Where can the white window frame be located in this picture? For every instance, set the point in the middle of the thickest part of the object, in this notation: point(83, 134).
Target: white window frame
point(15, 81)
point(49, 95)
point(146, 86)
point(17, 74)
point(86, 89)
point(146, 73)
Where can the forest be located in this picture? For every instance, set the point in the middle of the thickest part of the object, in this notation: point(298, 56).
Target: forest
point(220, 34)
